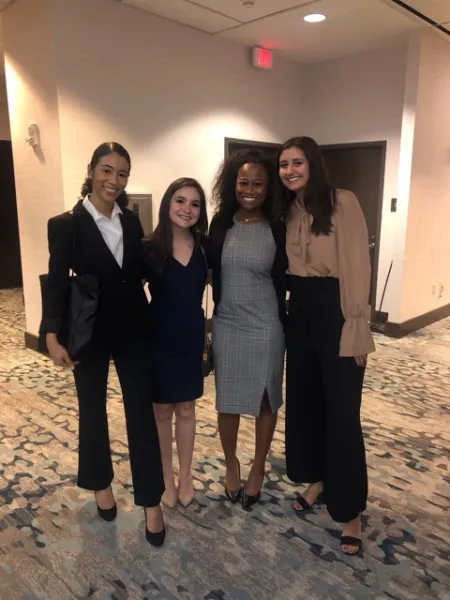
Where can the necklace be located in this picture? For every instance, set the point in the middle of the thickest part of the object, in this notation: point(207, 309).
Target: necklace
point(250, 219)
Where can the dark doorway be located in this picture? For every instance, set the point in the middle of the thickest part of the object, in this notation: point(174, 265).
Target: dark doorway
point(360, 169)
point(10, 265)
point(233, 145)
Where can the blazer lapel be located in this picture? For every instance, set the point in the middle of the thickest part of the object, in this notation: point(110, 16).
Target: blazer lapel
point(127, 242)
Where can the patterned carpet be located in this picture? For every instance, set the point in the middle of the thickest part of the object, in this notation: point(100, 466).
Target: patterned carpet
point(54, 547)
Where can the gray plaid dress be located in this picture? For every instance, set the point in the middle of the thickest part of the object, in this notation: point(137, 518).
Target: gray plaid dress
point(247, 335)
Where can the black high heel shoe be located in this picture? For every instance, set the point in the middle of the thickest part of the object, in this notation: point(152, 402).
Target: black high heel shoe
point(247, 500)
point(154, 539)
point(305, 505)
point(233, 497)
point(107, 514)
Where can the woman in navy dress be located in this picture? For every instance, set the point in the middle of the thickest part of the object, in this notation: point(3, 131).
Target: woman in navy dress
point(175, 266)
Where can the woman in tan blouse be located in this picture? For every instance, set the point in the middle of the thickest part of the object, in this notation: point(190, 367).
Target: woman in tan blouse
point(328, 338)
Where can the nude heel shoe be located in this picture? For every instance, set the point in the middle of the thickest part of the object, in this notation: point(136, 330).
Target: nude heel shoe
point(186, 499)
point(168, 499)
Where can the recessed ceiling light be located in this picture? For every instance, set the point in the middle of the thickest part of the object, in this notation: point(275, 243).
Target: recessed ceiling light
point(314, 18)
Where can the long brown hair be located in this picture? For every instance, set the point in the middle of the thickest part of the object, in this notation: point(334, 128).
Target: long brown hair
point(162, 237)
point(319, 196)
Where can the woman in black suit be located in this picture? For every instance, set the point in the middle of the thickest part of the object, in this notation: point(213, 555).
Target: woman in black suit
point(100, 237)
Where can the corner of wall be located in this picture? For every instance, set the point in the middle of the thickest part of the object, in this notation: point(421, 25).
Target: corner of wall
point(404, 175)
point(32, 97)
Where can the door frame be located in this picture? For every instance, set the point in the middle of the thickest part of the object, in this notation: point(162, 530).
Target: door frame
point(376, 256)
point(248, 144)
point(18, 283)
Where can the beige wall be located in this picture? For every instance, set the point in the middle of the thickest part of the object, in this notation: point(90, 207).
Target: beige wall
point(427, 247)
point(5, 134)
point(168, 93)
point(95, 71)
point(30, 75)
point(171, 94)
point(409, 107)
point(360, 99)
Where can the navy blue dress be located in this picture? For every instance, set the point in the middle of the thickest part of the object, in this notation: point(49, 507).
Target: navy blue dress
point(177, 326)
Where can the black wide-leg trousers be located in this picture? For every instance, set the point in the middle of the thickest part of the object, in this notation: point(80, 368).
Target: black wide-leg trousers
point(324, 440)
point(95, 469)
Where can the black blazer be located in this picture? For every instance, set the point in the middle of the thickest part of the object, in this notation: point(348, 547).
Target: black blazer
point(218, 232)
point(122, 308)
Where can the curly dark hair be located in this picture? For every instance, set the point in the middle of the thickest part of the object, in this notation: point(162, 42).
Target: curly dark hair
point(224, 189)
point(101, 151)
point(319, 195)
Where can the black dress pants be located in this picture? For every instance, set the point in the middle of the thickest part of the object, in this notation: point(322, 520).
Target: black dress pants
point(95, 470)
point(324, 440)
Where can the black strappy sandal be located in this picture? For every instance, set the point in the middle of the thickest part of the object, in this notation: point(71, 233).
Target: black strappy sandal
point(304, 503)
point(349, 540)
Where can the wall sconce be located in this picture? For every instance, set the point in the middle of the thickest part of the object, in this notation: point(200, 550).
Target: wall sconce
point(34, 138)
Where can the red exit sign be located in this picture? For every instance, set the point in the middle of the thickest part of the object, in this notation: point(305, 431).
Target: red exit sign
point(262, 58)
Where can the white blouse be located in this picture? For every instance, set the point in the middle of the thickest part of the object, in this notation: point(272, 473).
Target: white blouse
point(111, 229)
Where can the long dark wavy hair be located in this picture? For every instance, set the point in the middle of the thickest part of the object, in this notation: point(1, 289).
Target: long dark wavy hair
point(103, 150)
point(162, 237)
point(224, 189)
point(319, 196)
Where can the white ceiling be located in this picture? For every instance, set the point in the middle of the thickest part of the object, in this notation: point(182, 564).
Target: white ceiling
point(351, 26)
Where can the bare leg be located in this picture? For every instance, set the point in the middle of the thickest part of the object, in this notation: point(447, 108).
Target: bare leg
point(228, 430)
point(163, 416)
point(185, 436)
point(264, 429)
point(310, 495)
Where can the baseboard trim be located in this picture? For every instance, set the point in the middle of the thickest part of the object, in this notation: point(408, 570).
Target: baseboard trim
point(381, 317)
point(399, 330)
point(35, 342)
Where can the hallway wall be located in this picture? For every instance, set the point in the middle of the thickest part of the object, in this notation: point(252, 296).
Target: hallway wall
point(427, 248)
point(5, 133)
point(95, 71)
point(360, 99)
point(32, 96)
point(169, 93)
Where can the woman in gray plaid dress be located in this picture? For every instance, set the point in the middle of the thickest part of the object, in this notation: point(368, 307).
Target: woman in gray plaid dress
point(249, 289)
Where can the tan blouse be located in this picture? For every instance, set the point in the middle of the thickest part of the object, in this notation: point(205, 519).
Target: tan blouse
point(343, 254)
